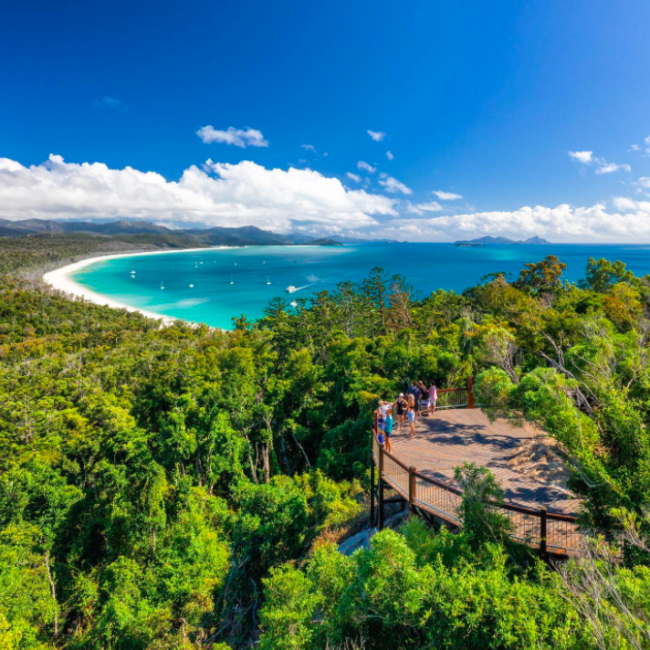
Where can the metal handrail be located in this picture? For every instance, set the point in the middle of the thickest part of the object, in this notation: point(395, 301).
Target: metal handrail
point(409, 491)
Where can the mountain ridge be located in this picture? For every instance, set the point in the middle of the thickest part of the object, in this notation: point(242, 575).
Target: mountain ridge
point(213, 236)
point(503, 241)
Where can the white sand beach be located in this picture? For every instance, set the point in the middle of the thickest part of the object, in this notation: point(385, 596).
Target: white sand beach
point(59, 279)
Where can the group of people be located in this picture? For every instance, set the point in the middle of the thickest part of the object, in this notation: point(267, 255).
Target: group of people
point(417, 402)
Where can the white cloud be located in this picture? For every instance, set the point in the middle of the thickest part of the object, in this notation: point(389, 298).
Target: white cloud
point(308, 147)
point(111, 104)
point(630, 222)
point(421, 208)
point(644, 181)
point(634, 147)
point(624, 204)
point(355, 177)
point(377, 136)
point(446, 196)
point(390, 156)
point(239, 137)
point(393, 185)
point(609, 168)
point(647, 140)
point(585, 157)
point(365, 166)
point(219, 194)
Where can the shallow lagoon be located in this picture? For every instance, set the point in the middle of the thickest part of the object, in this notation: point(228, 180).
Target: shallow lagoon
point(214, 300)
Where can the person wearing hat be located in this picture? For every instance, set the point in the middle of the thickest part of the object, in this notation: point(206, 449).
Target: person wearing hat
point(401, 406)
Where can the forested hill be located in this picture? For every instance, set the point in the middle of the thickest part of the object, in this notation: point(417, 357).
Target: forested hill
point(39, 253)
point(185, 488)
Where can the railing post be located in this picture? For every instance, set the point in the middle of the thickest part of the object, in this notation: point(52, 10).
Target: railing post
point(470, 392)
point(372, 488)
point(542, 532)
point(412, 490)
point(380, 523)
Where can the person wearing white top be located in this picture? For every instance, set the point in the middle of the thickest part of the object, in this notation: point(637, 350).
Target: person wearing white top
point(433, 398)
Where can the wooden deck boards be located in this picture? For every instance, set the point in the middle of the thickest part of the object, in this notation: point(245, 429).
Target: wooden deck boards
point(446, 439)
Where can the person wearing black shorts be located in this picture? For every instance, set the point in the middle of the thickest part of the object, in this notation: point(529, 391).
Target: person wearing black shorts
point(401, 406)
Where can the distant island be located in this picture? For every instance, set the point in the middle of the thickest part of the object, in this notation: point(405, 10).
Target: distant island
point(325, 242)
point(501, 241)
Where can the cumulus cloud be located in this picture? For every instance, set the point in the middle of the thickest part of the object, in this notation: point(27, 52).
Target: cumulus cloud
point(634, 147)
point(421, 208)
point(585, 157)
point(446, 196)
point(239, 137)
point(354, 177)
point(603, 167)
point(366, 167)
point(218, 194)
point(390, 156)
point(628, 222)
point(110, 104)
point(644, 181)
point(377, 136)
point(308, 147)
point(393, 185)
point(624, 204)
point(610, 168)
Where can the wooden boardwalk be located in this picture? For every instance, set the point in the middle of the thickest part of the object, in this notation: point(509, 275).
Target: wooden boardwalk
point(443, 441)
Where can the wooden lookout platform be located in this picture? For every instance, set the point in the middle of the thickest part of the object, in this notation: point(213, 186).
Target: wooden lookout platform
point(450, 437)
point(421, 473)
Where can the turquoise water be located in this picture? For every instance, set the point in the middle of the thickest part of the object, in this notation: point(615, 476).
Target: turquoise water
point(214, 300)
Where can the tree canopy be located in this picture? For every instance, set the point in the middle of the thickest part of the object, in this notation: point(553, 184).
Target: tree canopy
point(183, 487)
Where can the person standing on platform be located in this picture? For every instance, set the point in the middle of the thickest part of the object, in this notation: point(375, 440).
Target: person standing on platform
point(433, 398)
point(416, 393)
point(388, 430)
point(401, 406)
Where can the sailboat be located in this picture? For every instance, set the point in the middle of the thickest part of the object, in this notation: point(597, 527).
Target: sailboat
point(268, 280)
point(231, 280)
point(162, 286)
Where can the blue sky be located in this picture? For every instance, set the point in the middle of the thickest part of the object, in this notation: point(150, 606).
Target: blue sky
point(483, 100)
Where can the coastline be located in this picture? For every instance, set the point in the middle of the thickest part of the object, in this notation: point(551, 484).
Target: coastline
point(59, 279)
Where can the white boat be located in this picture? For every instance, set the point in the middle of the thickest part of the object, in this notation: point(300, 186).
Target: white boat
point(293, 303)
point(268, 280)
point(231, 280)
point(291, 289)
point(191, 286)
point(162, 286)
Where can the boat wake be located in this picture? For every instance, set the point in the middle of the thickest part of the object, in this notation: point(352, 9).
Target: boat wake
point(292, 289)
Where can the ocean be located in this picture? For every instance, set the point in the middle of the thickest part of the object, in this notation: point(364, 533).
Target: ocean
point(214, 286)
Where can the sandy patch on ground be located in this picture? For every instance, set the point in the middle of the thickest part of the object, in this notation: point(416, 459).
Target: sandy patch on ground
point(542, 459)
